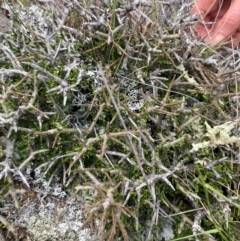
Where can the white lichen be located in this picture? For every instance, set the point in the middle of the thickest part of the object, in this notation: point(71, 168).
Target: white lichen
point(218, 135)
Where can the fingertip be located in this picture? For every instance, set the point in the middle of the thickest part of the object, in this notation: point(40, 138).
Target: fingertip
point(217, 39)
point(195, 10)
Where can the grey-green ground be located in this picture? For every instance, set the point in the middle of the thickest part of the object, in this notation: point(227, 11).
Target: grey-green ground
point(116, 123)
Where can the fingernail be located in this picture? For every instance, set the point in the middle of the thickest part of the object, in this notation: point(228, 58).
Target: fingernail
point(217, 39)
point(202, 15)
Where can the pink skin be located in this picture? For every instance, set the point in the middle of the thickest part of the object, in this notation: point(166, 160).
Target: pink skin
point(226, 17)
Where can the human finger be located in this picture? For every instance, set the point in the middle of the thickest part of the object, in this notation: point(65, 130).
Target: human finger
point(203, 29)
point(204, 7)
point(228, 24)
point(234, 40)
